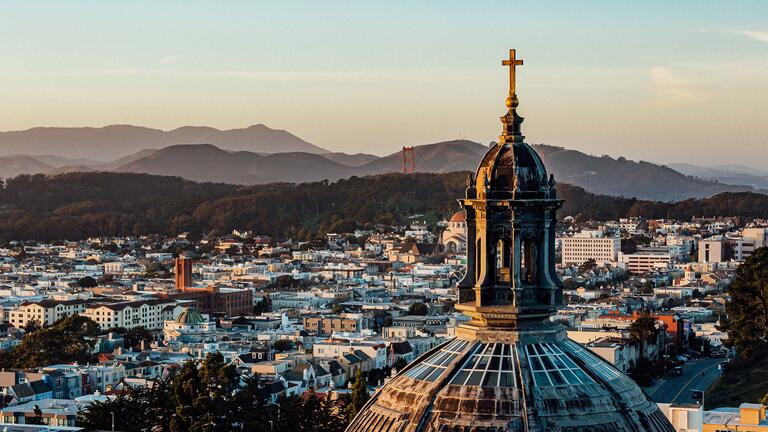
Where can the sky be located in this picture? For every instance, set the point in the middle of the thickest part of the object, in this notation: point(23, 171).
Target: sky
point(662, 81)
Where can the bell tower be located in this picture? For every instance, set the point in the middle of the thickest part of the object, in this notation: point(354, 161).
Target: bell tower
point(511, 206)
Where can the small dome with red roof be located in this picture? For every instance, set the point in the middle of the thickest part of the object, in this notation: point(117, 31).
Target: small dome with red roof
point(459, 216)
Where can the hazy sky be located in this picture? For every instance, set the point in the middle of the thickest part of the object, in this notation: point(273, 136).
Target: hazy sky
point(660, 81)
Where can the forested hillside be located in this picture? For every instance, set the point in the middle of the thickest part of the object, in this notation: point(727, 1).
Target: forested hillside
point(78, 205)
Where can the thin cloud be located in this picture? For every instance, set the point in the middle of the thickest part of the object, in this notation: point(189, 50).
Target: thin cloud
point(755, 35)
point(169, 59)
point(308, 76)
point(671, 87)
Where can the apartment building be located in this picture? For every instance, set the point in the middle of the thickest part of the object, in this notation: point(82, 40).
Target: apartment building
point(45, 312)
point(150, 314)
point(327, 325)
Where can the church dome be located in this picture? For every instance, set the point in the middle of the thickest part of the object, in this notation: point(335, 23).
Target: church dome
point(189, 316)
point(533, 384)
point(459, 216)
point(510, 368)
point(512, 169)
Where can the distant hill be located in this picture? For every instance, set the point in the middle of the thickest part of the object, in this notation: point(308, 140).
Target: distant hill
point(448, 156)
point(79, 205)
point(59, 161)
point(258, 155)
point(728, 174)
point(111, 142)
point(208, 163)
point(125, 160)
point(69, 169)
point(602, 175)
point(353, 160)
point(11, 166)
point(623, 177)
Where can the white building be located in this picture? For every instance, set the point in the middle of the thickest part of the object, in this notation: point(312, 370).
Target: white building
point(189, 326)
point(150, 314)
point(45, 312)
point(759, 236)
point(454, 238)
point(647, 259)
point(590, 245)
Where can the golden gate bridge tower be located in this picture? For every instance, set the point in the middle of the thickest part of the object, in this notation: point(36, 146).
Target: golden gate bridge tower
point(408, 160)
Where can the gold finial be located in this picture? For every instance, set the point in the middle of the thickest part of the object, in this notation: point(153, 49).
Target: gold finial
point(512, 62)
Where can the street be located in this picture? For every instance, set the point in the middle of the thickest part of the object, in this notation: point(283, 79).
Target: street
point(678, 389)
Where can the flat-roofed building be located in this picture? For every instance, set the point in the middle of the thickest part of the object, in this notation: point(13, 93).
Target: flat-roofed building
point(327, 325)
point(646, 259)
point(590, 245)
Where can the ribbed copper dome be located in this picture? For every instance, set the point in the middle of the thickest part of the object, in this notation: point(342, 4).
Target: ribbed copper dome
point(474, 385)
point(189, 316)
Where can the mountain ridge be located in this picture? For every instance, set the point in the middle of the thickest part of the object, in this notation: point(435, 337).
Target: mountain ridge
point(114, 141)
point(230, 164)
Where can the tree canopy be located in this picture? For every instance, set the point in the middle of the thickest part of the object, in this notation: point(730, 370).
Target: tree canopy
point(71, 339)
point(747, 309)
point(211, 396)
point(418, 308)
point(642, 331)
point(79, 205)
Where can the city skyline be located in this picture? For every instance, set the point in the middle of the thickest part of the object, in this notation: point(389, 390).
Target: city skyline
point(664, 83)
point(370, 217)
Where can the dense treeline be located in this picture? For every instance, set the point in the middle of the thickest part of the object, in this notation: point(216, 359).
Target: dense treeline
point(212, 397)
point(78, 205)
point(68, 340)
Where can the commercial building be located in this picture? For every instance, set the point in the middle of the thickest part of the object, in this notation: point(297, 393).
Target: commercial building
point(646, 259)
point(590, 245)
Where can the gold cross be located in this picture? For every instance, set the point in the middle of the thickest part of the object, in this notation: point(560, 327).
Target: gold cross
point(512, 62)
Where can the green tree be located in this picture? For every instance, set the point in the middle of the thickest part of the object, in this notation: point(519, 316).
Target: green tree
point(588, 265)
point(155, 269)
point(31, 326)
point(37, 419)
point(418, 308)
point(400, 364)
point(359, 395)
point(250, 405)
point(203, 396)
point(87, 282)
point(186, 389)
point(282, 345)
point(134, 410)
point(68, 340)
point(315, 413)
point(642, 331)
point(748, 306)
point(135, 336)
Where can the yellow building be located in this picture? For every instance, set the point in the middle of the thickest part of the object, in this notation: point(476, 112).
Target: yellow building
point(746, 418)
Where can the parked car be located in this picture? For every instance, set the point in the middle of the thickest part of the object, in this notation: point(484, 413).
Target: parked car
point(676, 371)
